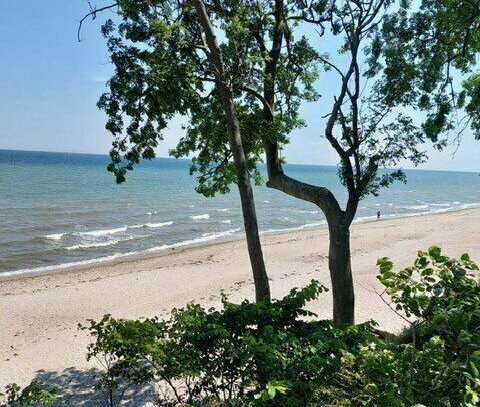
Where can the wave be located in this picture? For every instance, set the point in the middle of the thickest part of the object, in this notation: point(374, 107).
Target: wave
point(222, 210)
point(197, 241)
point(100, 244)
point(292, 229)
point(79, 263)
point(92, 245)
point(198, 217)
point(228, 221)
point(470, 205)
point(414, 207)
point(302, 211)
point(104, 232)
point(101, 232)
point(153, 225)
point(206, 237)
point(55, 236)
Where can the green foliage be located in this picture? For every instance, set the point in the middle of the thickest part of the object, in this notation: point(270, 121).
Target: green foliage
point(259, 354)
point(426, 46)
point(162, 72)
point(35, 394)
point(275, 353)
point(443, 355)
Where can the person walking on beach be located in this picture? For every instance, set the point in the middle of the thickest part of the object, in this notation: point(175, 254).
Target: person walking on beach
point(378, 215)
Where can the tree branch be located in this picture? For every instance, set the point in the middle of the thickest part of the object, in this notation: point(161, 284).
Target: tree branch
point(93, 15)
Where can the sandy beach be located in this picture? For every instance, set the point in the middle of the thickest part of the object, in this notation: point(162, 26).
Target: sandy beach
point(39, 315)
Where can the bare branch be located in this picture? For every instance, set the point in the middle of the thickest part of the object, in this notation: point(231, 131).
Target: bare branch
point(93, 15)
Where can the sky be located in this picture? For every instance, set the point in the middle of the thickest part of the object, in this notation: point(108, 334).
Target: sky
point(50, 83)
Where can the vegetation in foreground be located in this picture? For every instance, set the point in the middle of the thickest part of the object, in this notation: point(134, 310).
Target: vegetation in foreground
point(275, 353)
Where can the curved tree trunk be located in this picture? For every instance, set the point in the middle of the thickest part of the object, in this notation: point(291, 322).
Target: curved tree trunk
point(339, 263)
point(262, 287)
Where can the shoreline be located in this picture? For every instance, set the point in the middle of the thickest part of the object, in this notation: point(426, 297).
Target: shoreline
point(120, 258)
point(39, 314)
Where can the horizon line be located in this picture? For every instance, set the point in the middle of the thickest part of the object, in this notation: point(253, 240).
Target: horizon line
point(188, 159)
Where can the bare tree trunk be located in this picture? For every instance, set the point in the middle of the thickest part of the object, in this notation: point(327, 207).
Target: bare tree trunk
point(339, 262)
point(339, 227)
point(262, 287)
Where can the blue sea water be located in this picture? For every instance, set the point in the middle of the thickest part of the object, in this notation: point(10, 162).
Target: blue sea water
point(60, 209)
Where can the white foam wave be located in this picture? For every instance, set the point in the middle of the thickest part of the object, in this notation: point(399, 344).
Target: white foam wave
point(293, 229)
point(116, 256)
point(441, 205)
point(104, 232)
point(226, 221)
point(45, 269)
point(470, 205)
point(206, 237)
point(155, 225)
point(302, 211)
point(222, 210)
point(55, 236)
point(414, 207)
point(101, 232)
point(197, 217)
point(92, 245)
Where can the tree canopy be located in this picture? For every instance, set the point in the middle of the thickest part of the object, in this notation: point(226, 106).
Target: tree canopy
point(161, 70)
point(431, 52)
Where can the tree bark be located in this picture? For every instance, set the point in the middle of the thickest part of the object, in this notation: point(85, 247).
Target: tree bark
point(339, 228)
point(339, 262)
point(262, 286)
point(339, 253)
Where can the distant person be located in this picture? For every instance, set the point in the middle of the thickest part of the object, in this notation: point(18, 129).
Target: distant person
point(378, 215)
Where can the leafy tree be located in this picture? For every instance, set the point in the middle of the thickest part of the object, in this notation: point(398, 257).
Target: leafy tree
point(168, 62)
point(363, 127)
point(432, 48)
point(269, 354)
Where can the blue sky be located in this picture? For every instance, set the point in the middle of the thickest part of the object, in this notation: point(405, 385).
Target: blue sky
point(50, 84)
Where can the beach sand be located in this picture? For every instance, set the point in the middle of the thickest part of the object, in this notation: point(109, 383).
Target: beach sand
point(39, 315)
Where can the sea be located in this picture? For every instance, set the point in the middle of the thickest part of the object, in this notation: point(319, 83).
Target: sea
point(60, 210)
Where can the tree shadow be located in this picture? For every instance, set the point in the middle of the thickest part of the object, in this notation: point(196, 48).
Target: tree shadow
point(76, 388)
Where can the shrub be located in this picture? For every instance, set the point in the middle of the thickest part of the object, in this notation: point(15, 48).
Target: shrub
point(36, 393)
point(244, 354)
point(436, 361)
point(275, 353)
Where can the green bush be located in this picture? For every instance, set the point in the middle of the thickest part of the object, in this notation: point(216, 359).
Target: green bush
point(267, 353)
point(276, 353)
point(32, 395)
point(436, 361)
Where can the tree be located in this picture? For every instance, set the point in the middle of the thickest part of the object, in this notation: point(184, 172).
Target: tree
point(363, 129)
point(167, 62)
point(436, 44)
point(162, 69)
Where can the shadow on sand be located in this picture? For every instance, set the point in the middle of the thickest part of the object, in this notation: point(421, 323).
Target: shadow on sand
point(76, 389)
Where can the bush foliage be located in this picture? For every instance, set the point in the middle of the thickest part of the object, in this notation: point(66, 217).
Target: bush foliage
point(277, 353)
point(36, 393)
